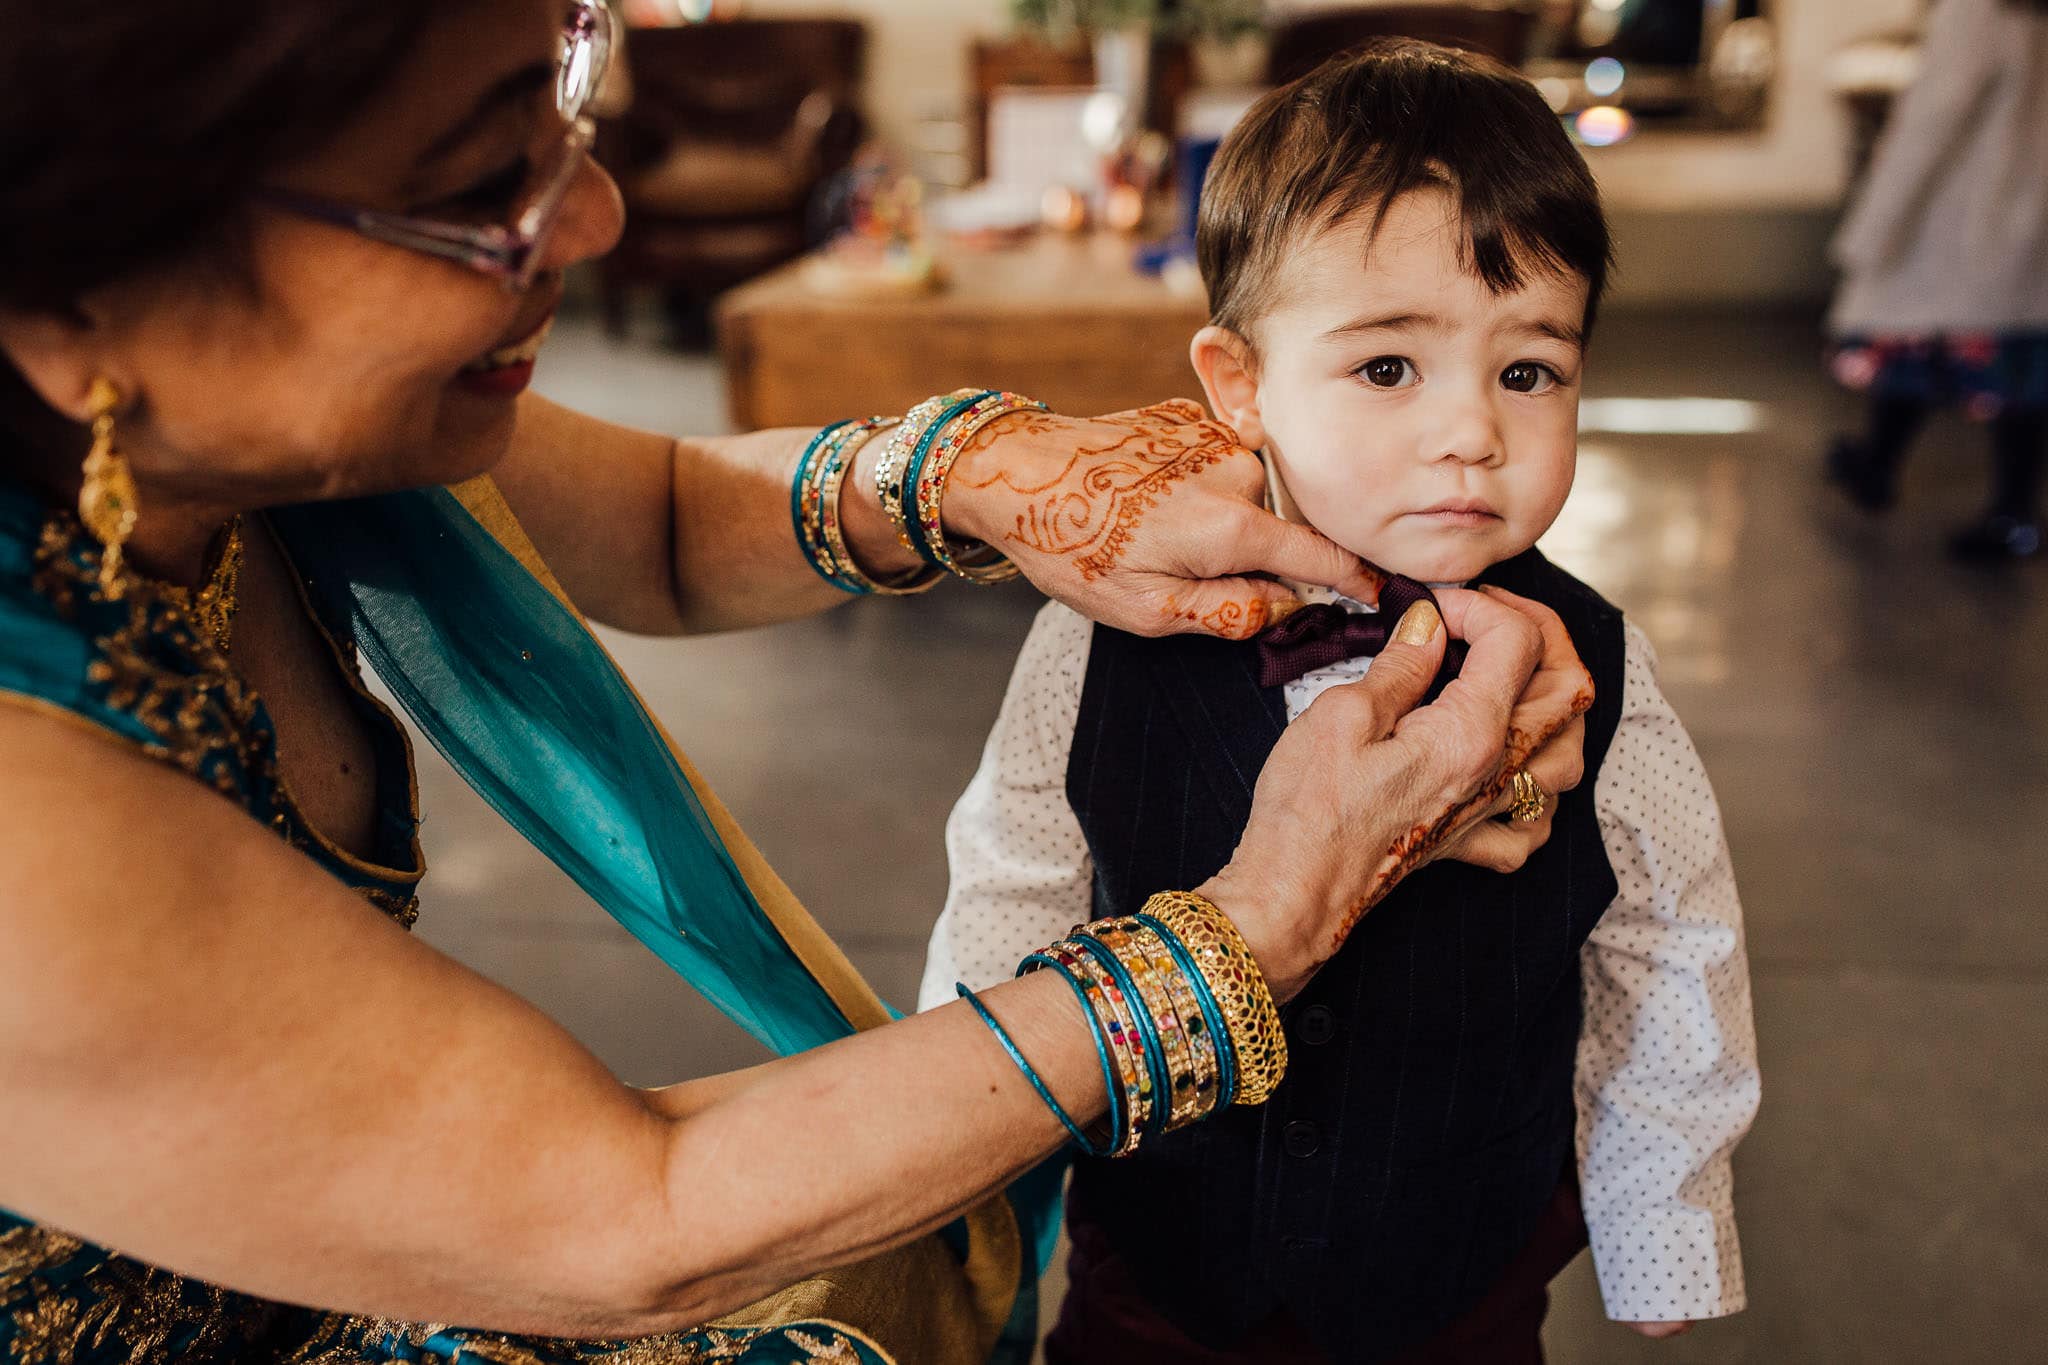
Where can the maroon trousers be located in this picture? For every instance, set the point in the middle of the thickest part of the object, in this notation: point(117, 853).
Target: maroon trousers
point(1106, 1321)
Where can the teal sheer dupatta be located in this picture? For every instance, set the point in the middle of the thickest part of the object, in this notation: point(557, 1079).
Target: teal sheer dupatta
point(508, 683)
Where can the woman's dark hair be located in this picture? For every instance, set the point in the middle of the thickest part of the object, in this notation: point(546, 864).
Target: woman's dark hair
point(131, 131)
point(1374, 123)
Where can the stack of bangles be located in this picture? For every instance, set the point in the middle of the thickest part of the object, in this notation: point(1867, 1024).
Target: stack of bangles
point(910, 477)
point(1184, 1025)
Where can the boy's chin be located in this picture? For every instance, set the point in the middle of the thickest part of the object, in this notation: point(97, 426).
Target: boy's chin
point(1450, 558)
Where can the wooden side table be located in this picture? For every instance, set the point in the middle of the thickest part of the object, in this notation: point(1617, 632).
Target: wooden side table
point(1066, 320)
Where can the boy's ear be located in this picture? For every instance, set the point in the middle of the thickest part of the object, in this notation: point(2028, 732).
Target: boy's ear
point(1229, 372)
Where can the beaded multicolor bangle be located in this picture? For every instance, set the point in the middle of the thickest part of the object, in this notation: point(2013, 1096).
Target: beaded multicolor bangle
point(892, 473)
point(1215, 1032)
point(974, 561)
point(1225, 964)
point(1190, 1053)
point(800, 497)
point(1122, 1077)
point(1113, 1015)
point(835, 463)
point(1151, 1055)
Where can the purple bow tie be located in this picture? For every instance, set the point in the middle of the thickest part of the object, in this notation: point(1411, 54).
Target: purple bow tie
point(1324, 633)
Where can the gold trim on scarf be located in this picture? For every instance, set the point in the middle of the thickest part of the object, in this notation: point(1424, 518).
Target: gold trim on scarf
point(922, 1315)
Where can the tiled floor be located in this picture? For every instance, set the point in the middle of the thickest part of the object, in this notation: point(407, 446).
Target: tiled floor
point(1876, 723)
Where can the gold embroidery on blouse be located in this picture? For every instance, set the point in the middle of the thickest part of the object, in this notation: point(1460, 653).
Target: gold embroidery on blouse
point(404, 909)
point(203, 717)
point(202, 720)
point(27, 1249)
point(138, 1309)
point(345, 1341)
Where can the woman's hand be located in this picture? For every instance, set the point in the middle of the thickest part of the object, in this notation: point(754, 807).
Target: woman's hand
point(1150, 521)
point(1501, 845)
point(1364, 788)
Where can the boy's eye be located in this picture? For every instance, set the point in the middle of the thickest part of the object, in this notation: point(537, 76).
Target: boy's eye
point(1526, 376)
point(488, 200)
point(1387, 372)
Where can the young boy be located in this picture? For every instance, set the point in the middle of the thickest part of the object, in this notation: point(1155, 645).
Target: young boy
point(1404, 254)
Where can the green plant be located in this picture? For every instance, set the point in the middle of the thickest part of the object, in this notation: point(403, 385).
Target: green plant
point(1224, 19)
point(1067, 16)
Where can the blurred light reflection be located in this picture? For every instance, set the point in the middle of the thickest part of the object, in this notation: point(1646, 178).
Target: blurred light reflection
point(1603, 125)
point(1671, 416)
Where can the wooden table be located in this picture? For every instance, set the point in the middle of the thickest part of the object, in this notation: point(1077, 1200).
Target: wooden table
point(1064, 319)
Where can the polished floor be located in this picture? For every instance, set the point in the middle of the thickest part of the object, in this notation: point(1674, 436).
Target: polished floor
point(1875, 720)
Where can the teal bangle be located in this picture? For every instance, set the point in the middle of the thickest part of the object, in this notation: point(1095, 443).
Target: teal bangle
point(1212, 1013)
point(1148, 1032)
point(1017, 1056)
point(913, 468)
point(1118, 1119)
point(820, 530)
point(796, 504)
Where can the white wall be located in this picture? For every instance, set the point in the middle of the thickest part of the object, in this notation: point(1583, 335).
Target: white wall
point(918, 59)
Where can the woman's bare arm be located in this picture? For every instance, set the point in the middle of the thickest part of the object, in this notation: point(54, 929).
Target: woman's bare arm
point(1148, 520)
point(216, 1058)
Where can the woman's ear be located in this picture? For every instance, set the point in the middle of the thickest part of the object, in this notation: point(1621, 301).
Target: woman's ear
point(56, 356)
point(1228, 369)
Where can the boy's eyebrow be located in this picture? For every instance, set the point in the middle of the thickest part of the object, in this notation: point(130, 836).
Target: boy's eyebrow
point(1546, 327)
point(1433, 322)
point(519, 85)
point(1390, 322)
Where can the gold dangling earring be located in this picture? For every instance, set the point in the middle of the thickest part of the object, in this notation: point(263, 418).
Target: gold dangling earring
point(106, 499)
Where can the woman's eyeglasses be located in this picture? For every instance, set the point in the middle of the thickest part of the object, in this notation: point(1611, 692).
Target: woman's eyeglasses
point(509, 252)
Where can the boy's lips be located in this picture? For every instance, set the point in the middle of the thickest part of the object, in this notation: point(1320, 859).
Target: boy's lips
point(1461, 512)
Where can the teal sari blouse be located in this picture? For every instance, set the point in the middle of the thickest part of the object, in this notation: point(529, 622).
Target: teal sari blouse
point(506, 681)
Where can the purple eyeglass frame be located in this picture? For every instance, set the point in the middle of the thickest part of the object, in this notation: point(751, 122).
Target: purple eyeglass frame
point(511, 253)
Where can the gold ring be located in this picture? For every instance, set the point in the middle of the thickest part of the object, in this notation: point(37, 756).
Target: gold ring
point(1529, 801)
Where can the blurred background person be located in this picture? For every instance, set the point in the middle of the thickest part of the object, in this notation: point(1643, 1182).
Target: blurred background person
point(1944, 300)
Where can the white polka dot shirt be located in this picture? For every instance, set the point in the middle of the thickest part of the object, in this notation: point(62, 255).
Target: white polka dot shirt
point(1667, 1078)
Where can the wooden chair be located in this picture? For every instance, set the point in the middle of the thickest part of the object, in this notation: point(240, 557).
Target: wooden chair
point(732, 128)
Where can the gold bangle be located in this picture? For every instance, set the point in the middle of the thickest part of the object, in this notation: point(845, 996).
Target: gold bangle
point(1191, 1081)
point(1258, 1043)
point(1127, 1046)
point(1205, 1072)
point(894, 465)
point(831, 488)
point(975, 561)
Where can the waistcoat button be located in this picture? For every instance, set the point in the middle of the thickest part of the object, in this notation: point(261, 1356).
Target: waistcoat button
point(1301, 1138)
point(1317, 1025)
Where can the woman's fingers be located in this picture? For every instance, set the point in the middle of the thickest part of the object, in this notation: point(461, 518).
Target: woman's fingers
point(1499, 847)
point(1561, 688)
point(1262, 543)
point(1557, 768)
point(1234, 608)
point(1398, 679)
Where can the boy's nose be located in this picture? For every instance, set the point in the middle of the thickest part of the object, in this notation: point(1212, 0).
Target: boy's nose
point(1468, 434)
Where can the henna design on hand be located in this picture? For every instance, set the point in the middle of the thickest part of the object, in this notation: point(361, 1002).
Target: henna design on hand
point(1419, 844)
point(1231, 620)
point(1092, 507)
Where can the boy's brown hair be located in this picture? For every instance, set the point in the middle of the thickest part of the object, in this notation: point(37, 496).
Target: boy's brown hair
point(1370, 125)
